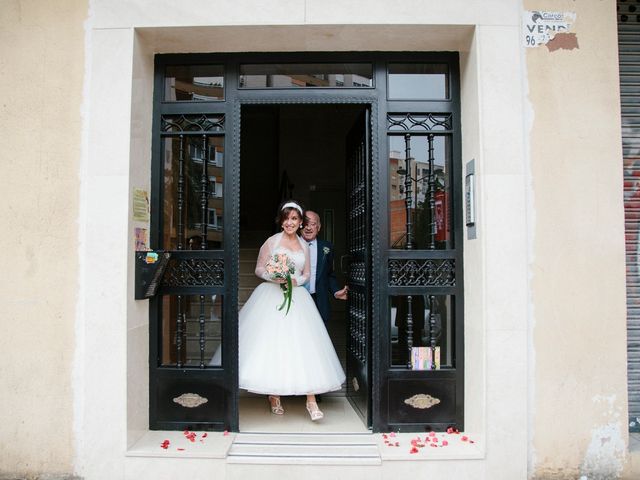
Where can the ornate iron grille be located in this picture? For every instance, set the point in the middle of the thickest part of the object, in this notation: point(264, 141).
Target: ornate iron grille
point(357, 214)
point(427, 122)
point(423, 273)
point(194, 272)
point(192, 123)
point(429, 265)
point(357, 273)
point(358, 326)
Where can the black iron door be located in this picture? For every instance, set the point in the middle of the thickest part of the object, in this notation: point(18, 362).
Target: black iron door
point(192, 351)
point(405, 340)
point(359, 250)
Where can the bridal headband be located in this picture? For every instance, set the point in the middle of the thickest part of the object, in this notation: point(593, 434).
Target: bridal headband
point(293, 205)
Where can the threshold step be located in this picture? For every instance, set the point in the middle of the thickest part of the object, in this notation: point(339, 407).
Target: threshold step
point(315, 449)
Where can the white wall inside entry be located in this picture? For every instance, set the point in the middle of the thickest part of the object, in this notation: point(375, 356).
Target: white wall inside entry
point(119, 156)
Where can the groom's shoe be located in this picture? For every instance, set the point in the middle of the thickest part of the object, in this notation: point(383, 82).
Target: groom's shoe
point(318, 398)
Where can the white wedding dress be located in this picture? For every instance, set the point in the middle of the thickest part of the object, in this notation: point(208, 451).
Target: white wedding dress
point(285, 354)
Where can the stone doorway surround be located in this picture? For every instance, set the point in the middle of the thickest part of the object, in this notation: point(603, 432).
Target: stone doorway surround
point(116, 158)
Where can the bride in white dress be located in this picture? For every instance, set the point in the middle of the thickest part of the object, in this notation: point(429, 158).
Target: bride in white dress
point(286, 353)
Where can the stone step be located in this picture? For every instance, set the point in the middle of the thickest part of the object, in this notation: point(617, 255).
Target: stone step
point(315, 449)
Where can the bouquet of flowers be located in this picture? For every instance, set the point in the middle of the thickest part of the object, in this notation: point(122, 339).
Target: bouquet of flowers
point(281, 266)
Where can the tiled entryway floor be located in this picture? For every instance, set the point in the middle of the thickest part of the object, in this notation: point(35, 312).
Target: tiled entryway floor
point(339, 416)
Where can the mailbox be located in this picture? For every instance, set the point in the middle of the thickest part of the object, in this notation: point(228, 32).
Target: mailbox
point(150, 267)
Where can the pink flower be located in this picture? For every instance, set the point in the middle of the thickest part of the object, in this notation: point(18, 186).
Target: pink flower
point(444, 443)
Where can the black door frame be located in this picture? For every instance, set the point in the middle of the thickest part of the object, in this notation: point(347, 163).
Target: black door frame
point(369, 102)
point(382, 373)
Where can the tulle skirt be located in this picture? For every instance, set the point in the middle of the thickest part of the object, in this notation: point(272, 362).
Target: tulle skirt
point(285, 354)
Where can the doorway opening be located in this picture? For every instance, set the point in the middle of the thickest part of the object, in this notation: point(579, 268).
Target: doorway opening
point(297, 151)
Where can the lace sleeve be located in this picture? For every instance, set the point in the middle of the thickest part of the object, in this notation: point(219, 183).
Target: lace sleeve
point(263, 259)
point(303, 277)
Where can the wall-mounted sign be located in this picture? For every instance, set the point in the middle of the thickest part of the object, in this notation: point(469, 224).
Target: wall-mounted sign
point(140, 205)
point(539, 27)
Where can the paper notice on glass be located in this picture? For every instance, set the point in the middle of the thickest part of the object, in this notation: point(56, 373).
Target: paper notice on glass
point(141, 239)
point(140, 205)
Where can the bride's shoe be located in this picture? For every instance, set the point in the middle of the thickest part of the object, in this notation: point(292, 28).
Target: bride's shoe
point(276, 406)
point(314, 412)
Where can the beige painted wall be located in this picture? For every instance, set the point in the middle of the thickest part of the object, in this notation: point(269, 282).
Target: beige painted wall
point(579, 391)
point(41, 76)
point(576, 219)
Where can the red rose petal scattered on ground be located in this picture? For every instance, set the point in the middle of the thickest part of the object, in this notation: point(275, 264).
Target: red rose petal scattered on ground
point(435, 439)
point(464, 438)
point(180, 449)
point(384, 435)
point(165, 444)
point(397, 444)
point(444, 443)
point(413, 450)
point(432, 434)
point(392, 434)
point(433, 445)
point(225, 433)
point(205, 435)
point(471, 441)
point(453, 430)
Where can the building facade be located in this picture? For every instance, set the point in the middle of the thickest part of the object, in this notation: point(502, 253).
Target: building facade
point(539, 356)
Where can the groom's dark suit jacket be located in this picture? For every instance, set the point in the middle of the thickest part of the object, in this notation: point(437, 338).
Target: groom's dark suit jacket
point(326, 283)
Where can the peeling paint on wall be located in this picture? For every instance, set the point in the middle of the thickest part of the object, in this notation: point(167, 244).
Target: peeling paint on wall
point(604, 458)
point(563, 41)
point(542, 28)
point(605, 455)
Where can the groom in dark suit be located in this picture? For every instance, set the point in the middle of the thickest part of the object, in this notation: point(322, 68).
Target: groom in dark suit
point(322, 281)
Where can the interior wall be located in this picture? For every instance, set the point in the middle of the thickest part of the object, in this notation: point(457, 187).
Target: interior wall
point(259, 174)
point(316, 138)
